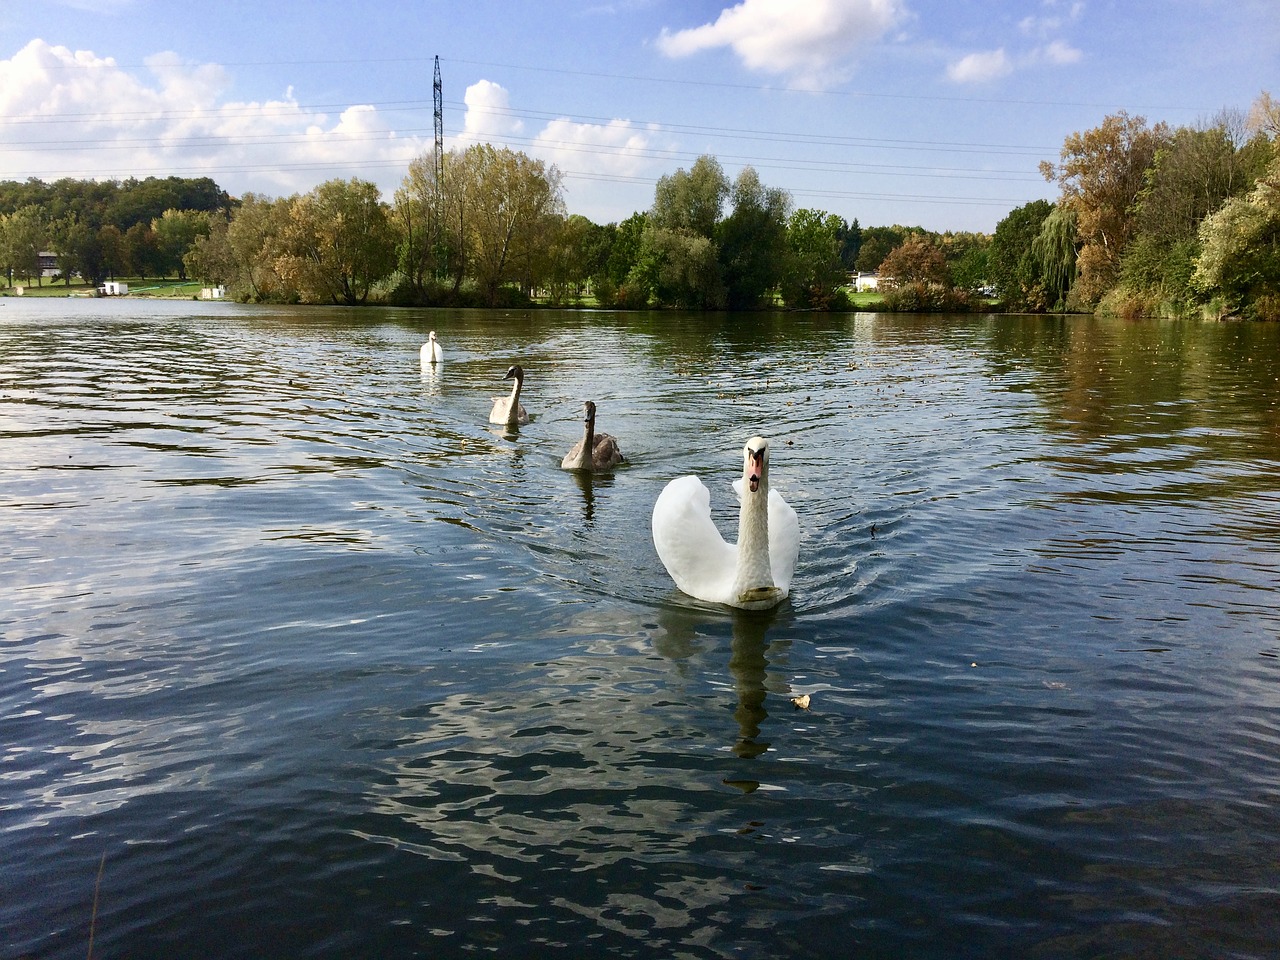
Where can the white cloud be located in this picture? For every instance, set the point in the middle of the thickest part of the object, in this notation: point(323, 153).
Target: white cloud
point(76, 114)
point(1060, 53)
point(991, 65)
point(1055, 16)
point(601, 162)
point(812, 43)
point(618, 148)
point(980, 67)
point(488, 113)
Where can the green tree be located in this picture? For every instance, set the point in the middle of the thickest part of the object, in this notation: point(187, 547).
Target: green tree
point(503, 203)
point(692, 200)
point(815, 271)
point(176, 232)
point(111, 241)
point(753, 242)
point(1191, 175)
point(141, 253)
point(420, 203)
point(850, 244)
point(1014, 270)
point(256, 236)
point(211, 258)
point(1239, 261)
point(624, 251)
point(22, 237)
point(576, 253)
point(680, 268)
point(338, 242)
point(142, 201)
point(79, 249)
point(967, 255)
point(877, 243)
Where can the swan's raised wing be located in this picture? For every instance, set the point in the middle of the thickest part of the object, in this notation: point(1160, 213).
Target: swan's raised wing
point(689, 543)
point(784, 540)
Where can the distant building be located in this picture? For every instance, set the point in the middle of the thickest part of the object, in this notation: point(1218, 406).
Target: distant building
point(863, 282)
point(114, 288)
point(47, 265)
point(213, 293)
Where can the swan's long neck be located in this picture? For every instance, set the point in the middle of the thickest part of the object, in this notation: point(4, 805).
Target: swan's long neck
point(754, 579)
point(753, 539)
point(515, 394)
point(583, 459)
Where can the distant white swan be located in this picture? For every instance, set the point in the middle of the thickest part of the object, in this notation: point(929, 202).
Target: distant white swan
point(507, 409)
point(595, 451)
point(431, 350)
point(755, 573)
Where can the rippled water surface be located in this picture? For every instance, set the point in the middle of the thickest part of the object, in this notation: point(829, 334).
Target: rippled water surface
point(301, 657)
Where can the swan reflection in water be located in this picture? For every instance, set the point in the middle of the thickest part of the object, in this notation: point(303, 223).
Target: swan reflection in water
point(587, 484)
point(751, 655)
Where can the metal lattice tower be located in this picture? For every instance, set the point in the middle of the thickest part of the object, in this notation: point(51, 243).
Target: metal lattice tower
point(439, 102)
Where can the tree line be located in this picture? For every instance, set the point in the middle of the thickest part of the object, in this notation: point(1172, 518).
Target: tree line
point(140, 228)
point(486, 226)
point(1150, 220)
point(1153, 221)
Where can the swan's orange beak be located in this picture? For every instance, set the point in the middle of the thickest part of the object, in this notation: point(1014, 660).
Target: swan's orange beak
point(755, 466)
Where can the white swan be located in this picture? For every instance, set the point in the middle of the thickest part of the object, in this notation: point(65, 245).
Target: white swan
point(595, 451)
point(431, 350)
point(507, 410)
point(753, 574)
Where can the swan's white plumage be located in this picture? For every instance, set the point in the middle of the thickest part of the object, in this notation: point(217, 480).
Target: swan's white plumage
point(431, 352)
point(508, 410)
point(754, 573)
point(689, 544)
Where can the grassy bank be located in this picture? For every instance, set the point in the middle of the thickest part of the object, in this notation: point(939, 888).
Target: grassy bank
point(180, 289)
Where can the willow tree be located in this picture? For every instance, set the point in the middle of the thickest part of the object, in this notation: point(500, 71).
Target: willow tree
point(1101, 176)
point(1054, 253)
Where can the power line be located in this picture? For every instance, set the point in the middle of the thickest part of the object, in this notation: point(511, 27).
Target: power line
point(679, 81)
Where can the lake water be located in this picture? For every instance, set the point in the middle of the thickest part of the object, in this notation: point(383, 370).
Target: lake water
point(301, 657)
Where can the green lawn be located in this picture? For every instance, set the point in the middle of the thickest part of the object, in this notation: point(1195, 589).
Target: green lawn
point(137, 287)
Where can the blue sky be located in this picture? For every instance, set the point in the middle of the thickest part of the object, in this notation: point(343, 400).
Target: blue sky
point(918, 112)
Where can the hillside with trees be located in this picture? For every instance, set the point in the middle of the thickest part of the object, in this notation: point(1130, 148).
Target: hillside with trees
point(101, 229)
